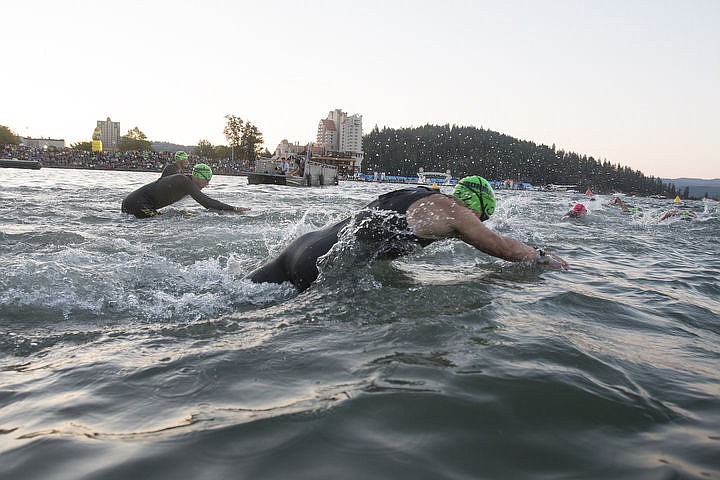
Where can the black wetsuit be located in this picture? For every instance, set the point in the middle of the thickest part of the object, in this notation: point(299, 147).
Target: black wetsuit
point(170, 169)
point(145, 201)
point(382, 223)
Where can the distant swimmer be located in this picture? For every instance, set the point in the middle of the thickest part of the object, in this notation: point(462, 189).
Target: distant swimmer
point(399, 221)
point(577, 211)
point(146, 200)
point(682, 214)
point(623, 207)
point(178, 166)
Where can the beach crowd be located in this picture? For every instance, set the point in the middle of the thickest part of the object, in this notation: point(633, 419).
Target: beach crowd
point(132, 161)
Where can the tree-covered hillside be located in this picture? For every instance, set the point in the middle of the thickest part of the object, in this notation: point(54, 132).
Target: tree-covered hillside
point(470, 150)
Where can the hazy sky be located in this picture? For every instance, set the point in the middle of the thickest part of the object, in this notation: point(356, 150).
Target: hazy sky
point(632, 81)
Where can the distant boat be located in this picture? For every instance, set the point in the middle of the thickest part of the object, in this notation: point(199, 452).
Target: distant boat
point(276, 179)
point(15, 163)
point(314, 174)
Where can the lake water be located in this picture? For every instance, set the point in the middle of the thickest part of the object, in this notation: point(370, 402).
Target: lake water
point(134, 349)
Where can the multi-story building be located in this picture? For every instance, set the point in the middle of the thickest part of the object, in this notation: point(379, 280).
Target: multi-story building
point(328, 136)
point(110, 134)
point(339, 137)
point(351, 134)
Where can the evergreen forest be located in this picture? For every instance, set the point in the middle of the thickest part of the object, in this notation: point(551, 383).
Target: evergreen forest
point(497, 157)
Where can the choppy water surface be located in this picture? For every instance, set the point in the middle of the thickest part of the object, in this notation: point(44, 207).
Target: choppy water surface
point(133, 348)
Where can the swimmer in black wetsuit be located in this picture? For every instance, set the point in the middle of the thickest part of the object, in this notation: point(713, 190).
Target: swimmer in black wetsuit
point(145, 201)
point(181, 159)
point(399, 220)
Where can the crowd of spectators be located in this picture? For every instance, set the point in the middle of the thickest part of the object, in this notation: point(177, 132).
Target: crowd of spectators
point(146, 161)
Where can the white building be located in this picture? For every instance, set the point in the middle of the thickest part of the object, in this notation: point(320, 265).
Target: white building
point(351, 134)
point(340, 133)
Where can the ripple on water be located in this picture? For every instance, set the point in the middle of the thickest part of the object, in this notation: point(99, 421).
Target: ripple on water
point(133, 348)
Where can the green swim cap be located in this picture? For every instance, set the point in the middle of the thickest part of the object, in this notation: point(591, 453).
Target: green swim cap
point(202, 171)
point(476, 193)
point(180, 156)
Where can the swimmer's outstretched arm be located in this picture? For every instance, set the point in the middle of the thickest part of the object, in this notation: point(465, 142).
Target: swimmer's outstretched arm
point(623, 207)
point(441, 217)
point(507, 248)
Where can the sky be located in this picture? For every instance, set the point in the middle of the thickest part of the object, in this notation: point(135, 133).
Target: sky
point(633, 82)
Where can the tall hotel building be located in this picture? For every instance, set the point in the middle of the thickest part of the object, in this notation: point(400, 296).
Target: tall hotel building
point(340, 136)
point(110, 134)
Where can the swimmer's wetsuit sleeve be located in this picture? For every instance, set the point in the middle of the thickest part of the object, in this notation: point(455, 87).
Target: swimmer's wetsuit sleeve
point(168, 190)
point(208, 202)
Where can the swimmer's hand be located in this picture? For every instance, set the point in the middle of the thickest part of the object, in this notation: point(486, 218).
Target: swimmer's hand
point(552, 261)
point(241, 209)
